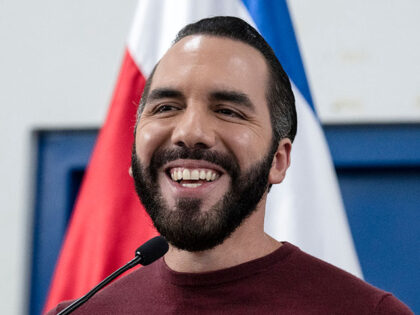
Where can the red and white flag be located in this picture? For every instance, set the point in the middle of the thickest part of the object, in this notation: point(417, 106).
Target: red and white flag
point(108, 222)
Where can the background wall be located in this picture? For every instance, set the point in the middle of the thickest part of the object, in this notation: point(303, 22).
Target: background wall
point(361, 58)
point(59, 62)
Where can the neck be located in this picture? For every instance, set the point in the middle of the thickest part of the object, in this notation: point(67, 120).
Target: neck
point(248, 242)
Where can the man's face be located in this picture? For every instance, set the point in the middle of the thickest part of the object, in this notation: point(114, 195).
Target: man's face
point(203, 147)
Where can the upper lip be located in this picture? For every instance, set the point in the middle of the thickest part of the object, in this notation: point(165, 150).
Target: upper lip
point(193, 164)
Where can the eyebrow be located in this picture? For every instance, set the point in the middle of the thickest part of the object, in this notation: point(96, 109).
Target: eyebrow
point(160, 93)
point(235, 97)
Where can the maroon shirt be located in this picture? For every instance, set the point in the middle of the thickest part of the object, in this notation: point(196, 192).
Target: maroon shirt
point(287, 281)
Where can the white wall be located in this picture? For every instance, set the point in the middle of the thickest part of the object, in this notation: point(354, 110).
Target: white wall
point(59, 61)
point(58, 64)
point(361, 58)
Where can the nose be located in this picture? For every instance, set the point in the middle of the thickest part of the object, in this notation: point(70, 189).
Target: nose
point(194, 129)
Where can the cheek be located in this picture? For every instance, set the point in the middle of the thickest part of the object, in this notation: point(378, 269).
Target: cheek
point(248, 146)
point(149, 136)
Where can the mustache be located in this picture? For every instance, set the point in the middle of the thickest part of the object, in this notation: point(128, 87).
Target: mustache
point(227, 161)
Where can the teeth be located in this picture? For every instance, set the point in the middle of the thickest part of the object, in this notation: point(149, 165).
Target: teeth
point(202, 174)
point(195, 175)
point(191, 185)
point(186, 174)
point(178, 174)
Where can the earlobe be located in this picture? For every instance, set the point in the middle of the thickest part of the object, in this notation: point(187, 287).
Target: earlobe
point(130, 172)
point(281, 162)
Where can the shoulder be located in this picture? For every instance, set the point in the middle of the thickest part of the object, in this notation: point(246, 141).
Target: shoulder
point(389, 304)
point(326, 284)
point(60, 306)
point(109, 298)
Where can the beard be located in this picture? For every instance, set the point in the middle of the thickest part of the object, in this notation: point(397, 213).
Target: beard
point(186, 226)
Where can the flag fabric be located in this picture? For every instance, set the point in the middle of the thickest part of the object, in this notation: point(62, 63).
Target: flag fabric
point(108, 222)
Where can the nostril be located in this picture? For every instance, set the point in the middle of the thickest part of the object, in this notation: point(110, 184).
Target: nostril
point(200, 145)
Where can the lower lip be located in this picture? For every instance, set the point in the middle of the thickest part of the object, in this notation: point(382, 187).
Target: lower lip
point(181, 190)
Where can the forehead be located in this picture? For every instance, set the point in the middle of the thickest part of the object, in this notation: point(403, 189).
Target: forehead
point(202, 62)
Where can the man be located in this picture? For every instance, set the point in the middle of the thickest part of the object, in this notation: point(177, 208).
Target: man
point(214, 131)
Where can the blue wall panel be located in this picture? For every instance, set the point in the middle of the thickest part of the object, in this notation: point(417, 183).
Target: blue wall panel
point(62, 158)
point(378, 167)
point(383, 210)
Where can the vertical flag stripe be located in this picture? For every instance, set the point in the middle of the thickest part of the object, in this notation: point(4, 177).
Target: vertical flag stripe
point(108, 222)
point(306, 208)
point(272, 19)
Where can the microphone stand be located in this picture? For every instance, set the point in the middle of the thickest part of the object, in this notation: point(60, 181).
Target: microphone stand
point(135, 261)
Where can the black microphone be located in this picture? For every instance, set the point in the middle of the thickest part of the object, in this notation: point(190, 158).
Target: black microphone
point(147, 253)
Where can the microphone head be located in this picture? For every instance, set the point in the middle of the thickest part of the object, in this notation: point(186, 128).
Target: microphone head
point(152, 250)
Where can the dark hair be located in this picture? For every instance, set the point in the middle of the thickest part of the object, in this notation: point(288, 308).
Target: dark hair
point(279, 95)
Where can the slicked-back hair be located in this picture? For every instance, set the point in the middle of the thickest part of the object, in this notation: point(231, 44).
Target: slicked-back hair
point(279, 95)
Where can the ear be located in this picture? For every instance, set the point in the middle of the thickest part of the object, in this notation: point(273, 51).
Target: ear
point(281, 162)
point(130, 172)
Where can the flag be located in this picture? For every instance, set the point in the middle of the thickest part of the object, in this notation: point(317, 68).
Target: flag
point(108, 221)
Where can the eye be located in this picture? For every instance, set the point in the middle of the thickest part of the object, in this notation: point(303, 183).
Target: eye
point(164, 108)
point(229, 112)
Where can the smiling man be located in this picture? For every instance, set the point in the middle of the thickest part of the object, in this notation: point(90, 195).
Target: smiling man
point(205, 152)
point(214, 131)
